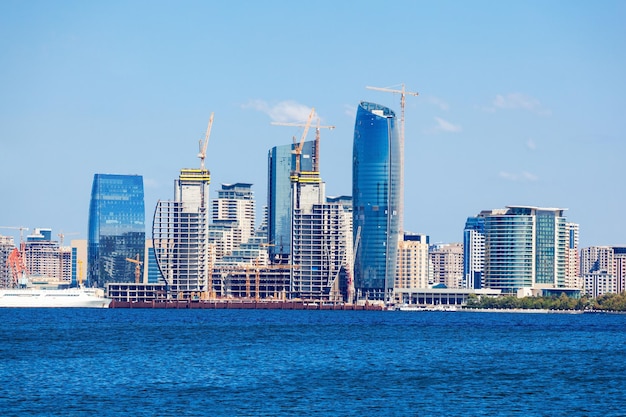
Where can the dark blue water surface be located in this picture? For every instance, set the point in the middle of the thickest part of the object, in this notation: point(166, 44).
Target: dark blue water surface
point(69, 362)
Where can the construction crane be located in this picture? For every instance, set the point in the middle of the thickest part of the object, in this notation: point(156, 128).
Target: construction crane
point(316, 158)
point(79, 280)
point(20, 228)
point(403, 94)
point(17, 266)
point(298, 146)
point(203, 145)
point(16, 261)
point(138, 264)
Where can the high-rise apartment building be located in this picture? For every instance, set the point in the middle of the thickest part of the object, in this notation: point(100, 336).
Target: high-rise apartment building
point(572, 256)
point(180, 235)
point(474, 252)
point(603, 269)
point(413, 262)
point(116, 228)
point(376, 192)
point(45, 258)
point(79, 262)
point(619, 253)
point(320, 252)
point(281, 166)
point(235, 203)
point(525, 248)
point(447, 264)
point(7, 245)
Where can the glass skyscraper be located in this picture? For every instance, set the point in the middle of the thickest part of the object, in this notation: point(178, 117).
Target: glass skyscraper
point(116, 228)
point(473, 252)
point(524, 248)
point(376, 192)
point(281, 165)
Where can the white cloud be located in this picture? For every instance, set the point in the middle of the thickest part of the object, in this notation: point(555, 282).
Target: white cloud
point(518, 101)
point(443, 105)
point(284, 111)
point(150, 183)
point(350, 110)
point(530, 144)
point(445, 126)
point(524, 176)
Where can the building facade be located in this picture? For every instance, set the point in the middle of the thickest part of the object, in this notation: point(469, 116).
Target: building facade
point(447, 264)
point(235, 203)
point(413, 262)
point(116, 228)
point(603, 269)
point(376, 192)
point(474, 252)
point(7, 244)
point(281, 165)
point(180, 235)
point(525, 248)
point(572, 256)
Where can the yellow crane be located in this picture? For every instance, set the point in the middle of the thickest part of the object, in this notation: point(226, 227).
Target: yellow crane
point(298, 146)
point(203, 145)
point(138, 264)
point(79, 279)
point(316, 158)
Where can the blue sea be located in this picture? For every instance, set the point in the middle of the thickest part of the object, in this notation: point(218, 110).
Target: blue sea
point(116, 362)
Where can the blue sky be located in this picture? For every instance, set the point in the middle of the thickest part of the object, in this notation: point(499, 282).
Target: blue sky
point(521, 103)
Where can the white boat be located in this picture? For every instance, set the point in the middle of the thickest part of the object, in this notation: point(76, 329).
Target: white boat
point(59, 298)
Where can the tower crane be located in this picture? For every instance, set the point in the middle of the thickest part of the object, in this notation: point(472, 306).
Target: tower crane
point(138, 264)
point(316, 159)
point(203, 145)
point(80, 273)
point(298, 146)
point(403, 94)
point(20, 228)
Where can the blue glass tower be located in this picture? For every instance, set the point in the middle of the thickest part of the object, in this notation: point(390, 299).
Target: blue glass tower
point(473, 252)
point(116, 228)
point(376, 193)
point(525, 247)
point(281, 164)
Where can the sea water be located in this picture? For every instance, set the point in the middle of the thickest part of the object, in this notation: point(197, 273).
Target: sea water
point(116, 362)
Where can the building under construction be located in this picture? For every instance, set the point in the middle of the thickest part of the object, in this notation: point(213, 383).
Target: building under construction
point(7, 246)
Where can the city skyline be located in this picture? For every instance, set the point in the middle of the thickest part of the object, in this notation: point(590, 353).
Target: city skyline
point(520, 104)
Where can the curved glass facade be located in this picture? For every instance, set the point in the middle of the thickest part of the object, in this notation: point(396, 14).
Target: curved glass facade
point(525, 247)
point(376, 193)
point(116, 228)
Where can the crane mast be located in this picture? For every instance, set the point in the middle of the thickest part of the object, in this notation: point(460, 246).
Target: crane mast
point(318, 127)
point(138, 264)
point(203, 145)
point(298, 146)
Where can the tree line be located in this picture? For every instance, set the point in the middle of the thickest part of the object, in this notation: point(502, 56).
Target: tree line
point(606, 302)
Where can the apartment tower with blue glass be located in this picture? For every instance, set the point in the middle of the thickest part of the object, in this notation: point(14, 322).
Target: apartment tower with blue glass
point(377, 199)
point(281, 165)
point(116, 228)
point(474, 252)
point(525, 248)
